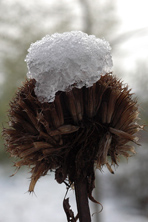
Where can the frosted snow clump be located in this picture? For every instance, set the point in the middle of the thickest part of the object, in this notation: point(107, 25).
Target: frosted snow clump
point(62, 61)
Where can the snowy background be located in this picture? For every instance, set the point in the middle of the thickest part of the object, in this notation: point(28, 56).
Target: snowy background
point(45, 204)
point(124, 24)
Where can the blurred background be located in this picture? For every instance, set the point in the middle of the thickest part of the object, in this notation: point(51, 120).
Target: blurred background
point(124, 24)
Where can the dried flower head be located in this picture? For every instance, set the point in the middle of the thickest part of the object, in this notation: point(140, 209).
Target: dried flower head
point(81, 129)
point(72, 116)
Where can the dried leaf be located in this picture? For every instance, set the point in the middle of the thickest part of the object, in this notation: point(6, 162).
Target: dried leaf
point(68, 211)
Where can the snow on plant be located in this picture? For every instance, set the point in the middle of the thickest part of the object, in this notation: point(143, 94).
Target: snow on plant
point(72, 115)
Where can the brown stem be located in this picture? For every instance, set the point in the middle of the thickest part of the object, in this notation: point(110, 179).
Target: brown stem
point(82, 200)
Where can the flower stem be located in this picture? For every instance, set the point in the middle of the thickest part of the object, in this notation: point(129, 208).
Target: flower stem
point(82, 200)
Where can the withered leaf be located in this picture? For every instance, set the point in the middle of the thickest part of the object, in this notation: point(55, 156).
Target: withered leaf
point(68, 211)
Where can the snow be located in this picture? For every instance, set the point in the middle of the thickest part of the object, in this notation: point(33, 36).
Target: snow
point(45, 204)
point(62, 61)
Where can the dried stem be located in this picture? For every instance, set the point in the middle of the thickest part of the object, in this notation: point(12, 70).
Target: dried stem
point(82, 200)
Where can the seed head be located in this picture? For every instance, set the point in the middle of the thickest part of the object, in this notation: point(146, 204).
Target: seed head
point(82, 129)
point(72, 115)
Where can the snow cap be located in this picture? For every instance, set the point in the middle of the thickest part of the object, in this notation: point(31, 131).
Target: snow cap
point(62, 61)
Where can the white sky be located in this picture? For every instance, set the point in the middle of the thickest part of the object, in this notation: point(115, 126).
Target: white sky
point(133, 15)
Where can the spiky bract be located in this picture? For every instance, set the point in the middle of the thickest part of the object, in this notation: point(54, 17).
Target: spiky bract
point(79, 130)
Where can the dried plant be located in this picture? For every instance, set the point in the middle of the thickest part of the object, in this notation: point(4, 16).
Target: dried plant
point(72, 116)
point(81, 130)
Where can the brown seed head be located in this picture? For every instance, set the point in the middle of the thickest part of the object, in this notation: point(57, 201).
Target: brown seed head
point(79, 130)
